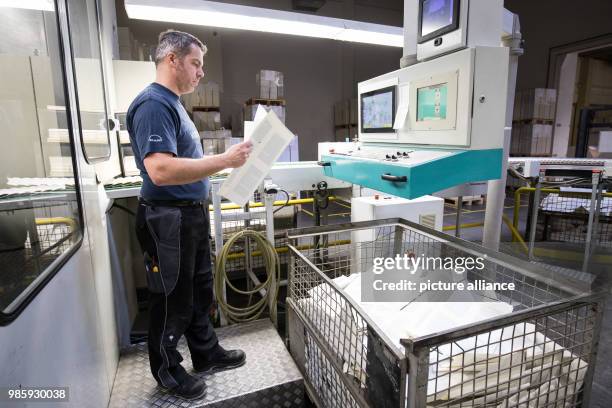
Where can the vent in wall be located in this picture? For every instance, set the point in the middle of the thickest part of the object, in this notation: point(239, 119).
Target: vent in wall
point(428, 220)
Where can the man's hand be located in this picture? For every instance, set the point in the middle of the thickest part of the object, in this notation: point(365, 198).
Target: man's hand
point(238, 154)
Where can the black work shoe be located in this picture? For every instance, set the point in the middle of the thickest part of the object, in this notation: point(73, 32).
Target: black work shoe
point(191, 388)
point(221, 360)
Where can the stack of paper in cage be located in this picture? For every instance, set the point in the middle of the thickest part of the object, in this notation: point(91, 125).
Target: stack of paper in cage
point(270, 84)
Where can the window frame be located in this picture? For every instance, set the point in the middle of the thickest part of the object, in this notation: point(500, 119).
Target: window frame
point(95, 159)
point(49, 273)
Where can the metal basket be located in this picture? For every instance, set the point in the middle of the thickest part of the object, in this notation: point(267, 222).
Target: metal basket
point(564, 217)
point(540, 355)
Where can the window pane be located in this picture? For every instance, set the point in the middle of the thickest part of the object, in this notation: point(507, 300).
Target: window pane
point(83, 20)
point(39, 213)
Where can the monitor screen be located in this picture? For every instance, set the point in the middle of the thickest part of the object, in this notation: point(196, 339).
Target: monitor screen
point(378, 110)
point(436, 16)
point(432, 102)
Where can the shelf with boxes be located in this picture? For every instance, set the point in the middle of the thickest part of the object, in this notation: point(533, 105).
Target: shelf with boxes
point(533, 121)
point(278, 106)
point(271, 91)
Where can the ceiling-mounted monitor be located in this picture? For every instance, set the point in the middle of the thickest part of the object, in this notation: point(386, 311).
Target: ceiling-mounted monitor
point(442, 27)
point(378, 110)
point(436, 18)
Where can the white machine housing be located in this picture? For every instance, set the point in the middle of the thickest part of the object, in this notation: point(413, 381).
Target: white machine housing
point(477, 81)
point(427, 210)
point(459, 33)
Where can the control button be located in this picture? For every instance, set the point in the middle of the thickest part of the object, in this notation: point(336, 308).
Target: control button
point(387, 156)
point(393, 158)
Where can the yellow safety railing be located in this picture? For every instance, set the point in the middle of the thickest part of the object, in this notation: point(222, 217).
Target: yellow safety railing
point(296, 201)
point(515, 234)
point(280, 250)
point(71, 223)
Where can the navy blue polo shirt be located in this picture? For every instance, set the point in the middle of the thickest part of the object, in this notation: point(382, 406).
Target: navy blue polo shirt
point(157, 122)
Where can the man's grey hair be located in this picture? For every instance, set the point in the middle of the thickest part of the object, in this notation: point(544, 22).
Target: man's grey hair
point(177, 42)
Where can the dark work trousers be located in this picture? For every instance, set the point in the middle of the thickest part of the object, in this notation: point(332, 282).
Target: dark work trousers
point(176, 249)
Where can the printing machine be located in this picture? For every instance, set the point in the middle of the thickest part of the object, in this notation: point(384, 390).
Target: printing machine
point(438, 123)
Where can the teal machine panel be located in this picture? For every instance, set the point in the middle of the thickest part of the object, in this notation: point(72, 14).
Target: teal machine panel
point(429, 126)
point(403, 179)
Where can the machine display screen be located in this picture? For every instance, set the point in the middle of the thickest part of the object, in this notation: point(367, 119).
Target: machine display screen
point(432, 102)
point(378, 110)
point(437, 15)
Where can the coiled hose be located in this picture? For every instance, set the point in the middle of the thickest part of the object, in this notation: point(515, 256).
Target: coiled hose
point(253, 311)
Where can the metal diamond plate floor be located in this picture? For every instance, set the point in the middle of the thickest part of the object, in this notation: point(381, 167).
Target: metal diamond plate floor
point(269, 378)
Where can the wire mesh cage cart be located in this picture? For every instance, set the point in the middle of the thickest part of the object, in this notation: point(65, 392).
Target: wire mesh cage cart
point(533, 346)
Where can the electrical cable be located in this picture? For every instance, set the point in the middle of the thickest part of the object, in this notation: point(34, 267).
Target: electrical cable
point(286, 202)
point(121, 207)
point(252, 311)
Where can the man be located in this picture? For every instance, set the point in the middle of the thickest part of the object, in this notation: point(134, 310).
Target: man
point(172, 221)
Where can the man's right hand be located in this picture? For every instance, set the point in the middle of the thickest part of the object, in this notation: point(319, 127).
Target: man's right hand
point(238, 154)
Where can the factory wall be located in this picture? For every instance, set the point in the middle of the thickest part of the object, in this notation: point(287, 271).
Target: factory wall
point(550, 23)
point(317, 72)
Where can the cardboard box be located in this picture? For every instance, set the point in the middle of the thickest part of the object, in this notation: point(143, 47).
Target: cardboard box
point(270, 84)
point(251, 110)
point(207, 120)
point(551, 103)
point(535, 104)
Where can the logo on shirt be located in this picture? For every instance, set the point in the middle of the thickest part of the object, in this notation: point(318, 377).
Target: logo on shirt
point(155, 138)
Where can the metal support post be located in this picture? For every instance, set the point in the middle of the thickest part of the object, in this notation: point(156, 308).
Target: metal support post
point(269, 203)
point(218, 222)
point(458, 220)
point(216, 198)
point(593, 219)
point(418, 369)
point(534, 214)
point(496, 191)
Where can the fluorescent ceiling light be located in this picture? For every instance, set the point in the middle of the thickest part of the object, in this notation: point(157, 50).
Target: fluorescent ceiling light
point(44, 5)
point(223, 15)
